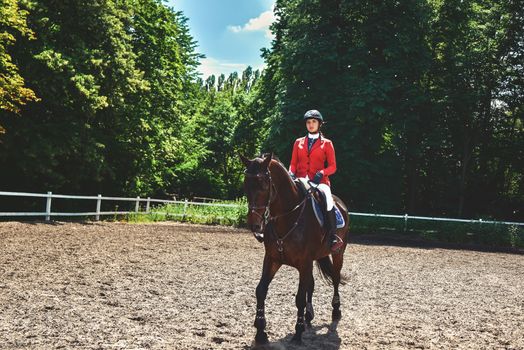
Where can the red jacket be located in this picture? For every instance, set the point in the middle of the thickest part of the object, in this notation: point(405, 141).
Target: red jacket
point(321, 158)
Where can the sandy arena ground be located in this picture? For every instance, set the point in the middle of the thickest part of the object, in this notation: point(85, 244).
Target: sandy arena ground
point(178, 286)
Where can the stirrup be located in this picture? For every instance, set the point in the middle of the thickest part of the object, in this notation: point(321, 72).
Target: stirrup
point(336, 244)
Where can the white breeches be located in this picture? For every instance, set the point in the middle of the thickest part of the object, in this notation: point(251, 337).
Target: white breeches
point(329, 198)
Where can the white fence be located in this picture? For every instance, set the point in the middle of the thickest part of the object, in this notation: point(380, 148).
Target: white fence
point(99, 198)
point(429, 218)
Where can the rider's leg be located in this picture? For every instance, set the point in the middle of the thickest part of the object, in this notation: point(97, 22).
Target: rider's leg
point(335, 241)
point(329, 198)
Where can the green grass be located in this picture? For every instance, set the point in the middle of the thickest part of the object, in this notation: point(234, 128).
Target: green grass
point(198, 214)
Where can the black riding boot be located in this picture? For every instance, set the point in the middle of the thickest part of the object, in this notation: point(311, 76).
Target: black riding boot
point(335, 242)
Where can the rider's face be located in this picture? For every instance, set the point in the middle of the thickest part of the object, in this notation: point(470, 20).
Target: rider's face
point(312, 125)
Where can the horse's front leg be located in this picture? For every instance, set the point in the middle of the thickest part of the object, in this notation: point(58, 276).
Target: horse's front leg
point(269, 270)
point(310, 314)
point(306, 278)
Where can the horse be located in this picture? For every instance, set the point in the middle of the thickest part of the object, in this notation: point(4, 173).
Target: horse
point(280, 215)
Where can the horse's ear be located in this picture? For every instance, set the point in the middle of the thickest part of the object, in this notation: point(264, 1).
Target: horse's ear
point(244, 160)
point(265, 163)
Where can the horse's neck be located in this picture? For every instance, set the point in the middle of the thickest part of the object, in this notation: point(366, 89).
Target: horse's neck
point(287, 194)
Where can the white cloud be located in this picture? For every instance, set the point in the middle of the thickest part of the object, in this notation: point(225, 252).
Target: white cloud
point(260, 23)
point(209, 66)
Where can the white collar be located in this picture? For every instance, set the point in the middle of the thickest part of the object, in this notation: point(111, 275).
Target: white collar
point(313, 136)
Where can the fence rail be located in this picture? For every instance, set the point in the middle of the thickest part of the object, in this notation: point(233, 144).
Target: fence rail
point(49, 196)
point(99, 198)
point(430, 218)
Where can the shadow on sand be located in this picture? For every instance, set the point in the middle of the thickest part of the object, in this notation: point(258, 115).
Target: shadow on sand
point(323, 337)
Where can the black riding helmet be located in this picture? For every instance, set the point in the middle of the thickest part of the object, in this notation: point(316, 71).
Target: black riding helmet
point(313, 114)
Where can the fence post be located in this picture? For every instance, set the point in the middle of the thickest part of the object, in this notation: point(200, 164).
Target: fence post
point(98, 205)
point(148, 204)
point(405, 222)
point(48, 206)
point(185, 210)
point(137, 205)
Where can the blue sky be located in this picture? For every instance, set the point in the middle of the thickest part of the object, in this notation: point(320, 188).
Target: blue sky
point(229, 32)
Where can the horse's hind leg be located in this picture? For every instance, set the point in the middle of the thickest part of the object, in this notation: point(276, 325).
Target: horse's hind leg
point(338, 260)
point(310, 315)
point(306, 276)
point(268, 272)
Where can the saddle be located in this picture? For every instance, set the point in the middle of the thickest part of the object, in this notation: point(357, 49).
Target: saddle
point(319, 203)
point(305, 187)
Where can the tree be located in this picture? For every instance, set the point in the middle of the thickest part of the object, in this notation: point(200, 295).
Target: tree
point(13, 92)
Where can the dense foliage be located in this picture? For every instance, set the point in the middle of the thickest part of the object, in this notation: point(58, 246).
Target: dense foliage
point(424, 101)
point(113, 78)
point(13, 93)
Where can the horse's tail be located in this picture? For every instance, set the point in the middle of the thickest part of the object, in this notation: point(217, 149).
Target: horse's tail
point(325, 267)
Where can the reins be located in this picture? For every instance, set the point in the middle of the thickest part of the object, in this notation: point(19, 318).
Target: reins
point(280, 240)
point(267, 217)
point(292, 210)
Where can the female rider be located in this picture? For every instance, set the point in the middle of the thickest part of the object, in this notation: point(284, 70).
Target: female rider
point(310, 155)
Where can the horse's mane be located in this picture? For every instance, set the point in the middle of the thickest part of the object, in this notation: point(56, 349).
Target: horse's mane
point(274, 157)
point(279, 162)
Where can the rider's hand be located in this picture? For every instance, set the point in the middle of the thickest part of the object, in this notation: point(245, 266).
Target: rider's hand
point(292, 175)
point(318, 177)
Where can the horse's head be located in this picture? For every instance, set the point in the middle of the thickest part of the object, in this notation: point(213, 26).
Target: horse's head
point(257, 185)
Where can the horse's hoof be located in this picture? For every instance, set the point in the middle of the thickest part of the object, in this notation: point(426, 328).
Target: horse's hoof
point(336, 315)
point(309, 317)
point(297, 340)
point(333, 326)
point(261, 339)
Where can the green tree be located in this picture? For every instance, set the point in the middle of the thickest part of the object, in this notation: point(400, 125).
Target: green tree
point(350, 60)
point(474, 43)
point(423, 99)
point(166, 54)
point(13, 92)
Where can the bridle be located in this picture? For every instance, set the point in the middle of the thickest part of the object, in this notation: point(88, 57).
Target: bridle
point(267, 217)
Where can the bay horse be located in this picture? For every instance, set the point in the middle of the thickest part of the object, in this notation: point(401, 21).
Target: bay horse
point(281, 215)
